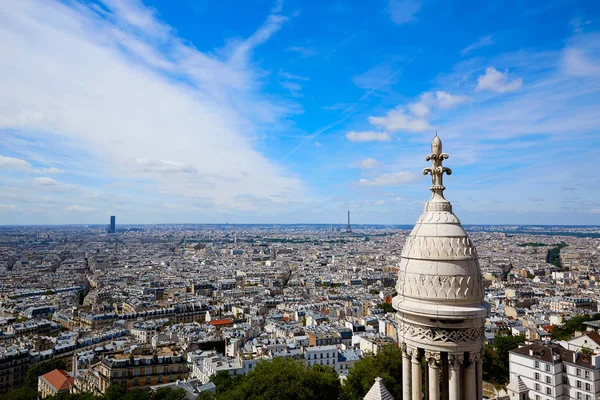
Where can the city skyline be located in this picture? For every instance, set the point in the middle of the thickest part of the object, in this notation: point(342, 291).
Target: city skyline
point(204, 113)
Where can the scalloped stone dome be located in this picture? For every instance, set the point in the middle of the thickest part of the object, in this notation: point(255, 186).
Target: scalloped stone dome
point(439, 275)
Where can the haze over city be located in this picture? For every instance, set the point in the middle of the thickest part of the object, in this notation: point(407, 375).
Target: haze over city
point(291, 111)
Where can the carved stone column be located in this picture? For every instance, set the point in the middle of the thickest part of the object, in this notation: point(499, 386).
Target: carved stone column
point(433, 360)
point(417, 376)
point(455, 362)
point(406, 372)
point(471, 376)
point(479, 366)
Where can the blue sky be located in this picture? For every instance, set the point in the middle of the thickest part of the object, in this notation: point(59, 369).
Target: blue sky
point(296, 111)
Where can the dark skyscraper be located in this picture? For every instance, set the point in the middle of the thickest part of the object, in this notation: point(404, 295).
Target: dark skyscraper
point(113, 226)
point(348, 228)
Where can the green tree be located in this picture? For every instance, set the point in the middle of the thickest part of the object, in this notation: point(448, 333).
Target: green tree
point(284, 379)
point(23, 393)
point(387, 364)
point(113, 392)
point(169, 394)
point(206, 396)
point(496, 358)
point(31, 377)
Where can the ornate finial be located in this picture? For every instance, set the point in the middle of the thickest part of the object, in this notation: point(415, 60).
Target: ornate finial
point(437, 170)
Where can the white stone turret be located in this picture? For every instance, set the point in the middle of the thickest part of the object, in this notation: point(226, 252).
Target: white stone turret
point(440, 304)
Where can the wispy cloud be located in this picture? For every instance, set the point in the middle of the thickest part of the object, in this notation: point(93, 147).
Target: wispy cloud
point(14, 163)
point(368, 163)
point(76, 208)
point(175, 112)
point(303, 51)
point(403, 11)
point(413, 117)
point(368, 136)
point(389, 179)
point(483, 41)
point(496, 81)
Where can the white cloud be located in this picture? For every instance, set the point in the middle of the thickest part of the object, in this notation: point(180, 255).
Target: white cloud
point(399, 120)
point(403, 11)
point(369, 163)
point(163, 166)
point(45, 181)
point(389, 179)
point(7, 207)
point(446, 100)
point(14, 163)
point(368, 136)
point(51, 170)
point(483, 41)
point(577, 63)
point(414, 116)
point(318, 144)
point(375, 203)
point(496, 81)
point(120, 106)
point(77, 208)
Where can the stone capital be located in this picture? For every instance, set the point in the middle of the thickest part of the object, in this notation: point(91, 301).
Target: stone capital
point(455, 360)
point(433, 358)
point(413, 353)
point(474, 357)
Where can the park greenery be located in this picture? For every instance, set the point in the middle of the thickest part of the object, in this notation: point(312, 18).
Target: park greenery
point(568, 328)
point(496, 357)
point(112, 393)
point(387, 364)
point(281, 378)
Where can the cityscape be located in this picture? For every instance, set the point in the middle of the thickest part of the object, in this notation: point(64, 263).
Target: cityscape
point(290, 200)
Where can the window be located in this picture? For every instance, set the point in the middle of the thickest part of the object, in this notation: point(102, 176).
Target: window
point(537, 376)
point(548, 391)
point(579, 395)
point(587, 387)
point(587, 374)
point(578, 372)
point(537, 364)
point(547, 379)
point(537, 387)
point(547, 367)
point(565, 380)
point(578, 384)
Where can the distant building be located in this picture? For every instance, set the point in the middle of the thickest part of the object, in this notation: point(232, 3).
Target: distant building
point(113, 226)
point(14, 363)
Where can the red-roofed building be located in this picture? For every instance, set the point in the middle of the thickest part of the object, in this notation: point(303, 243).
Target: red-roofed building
point(222, 323)
point(54, 382)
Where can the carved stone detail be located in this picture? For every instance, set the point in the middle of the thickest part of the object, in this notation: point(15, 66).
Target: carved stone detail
point(433, 358)
point(439, 248)
point(438, 216)
point(474, 356)
point(456, 360)
point(435, 286)
point(467, 335)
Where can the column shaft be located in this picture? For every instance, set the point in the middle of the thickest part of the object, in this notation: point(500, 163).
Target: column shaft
point(479, 366)
point(406, 374)
point(455, 362)
point(417, 376)
point(470, 390)
point(433, 360)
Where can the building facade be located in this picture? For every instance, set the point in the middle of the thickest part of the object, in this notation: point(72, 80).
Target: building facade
point(552, 372)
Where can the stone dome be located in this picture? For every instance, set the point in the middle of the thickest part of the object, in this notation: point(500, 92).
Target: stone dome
point(439, 275)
